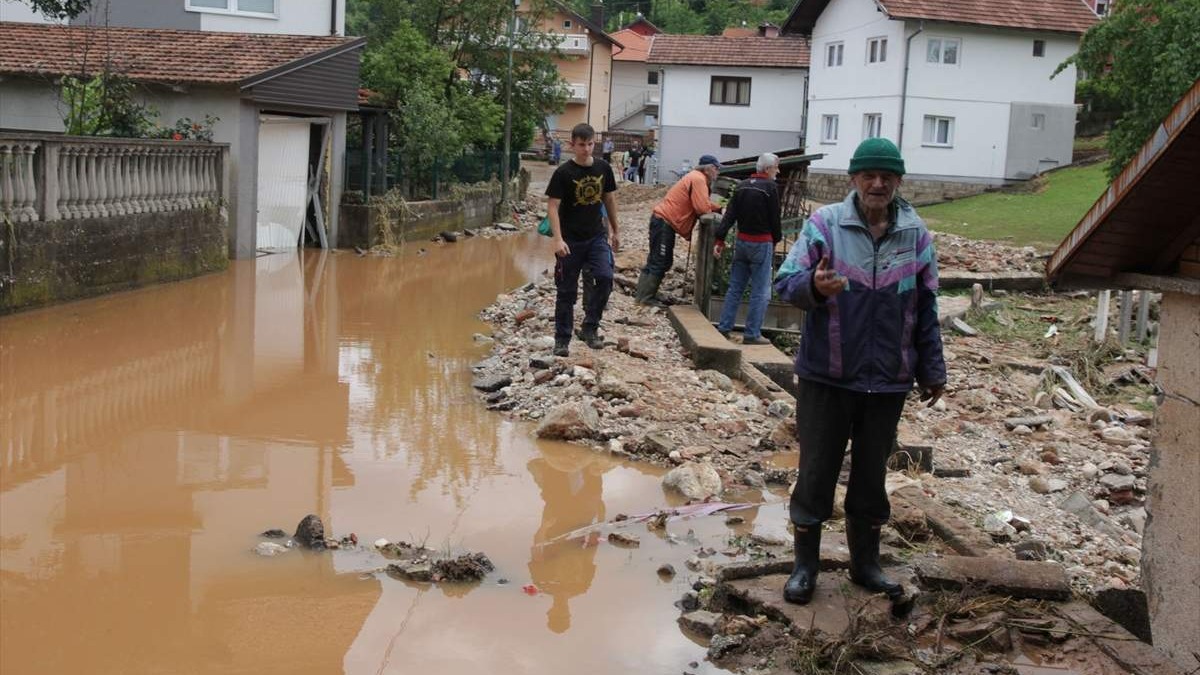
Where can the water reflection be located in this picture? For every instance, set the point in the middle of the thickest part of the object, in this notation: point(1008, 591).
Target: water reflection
point(147, 436)
point(573, 497)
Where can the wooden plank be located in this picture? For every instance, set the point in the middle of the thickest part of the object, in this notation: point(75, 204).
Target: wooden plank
point(1157, 283)
point(1172, 250)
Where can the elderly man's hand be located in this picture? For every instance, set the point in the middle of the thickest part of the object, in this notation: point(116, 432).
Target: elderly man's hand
point(828, 282)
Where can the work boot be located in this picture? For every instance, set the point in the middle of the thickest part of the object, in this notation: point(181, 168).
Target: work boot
point(647, 288)
point(863, 540)
point(807, 545)
point(560, 347)
point(590, 337)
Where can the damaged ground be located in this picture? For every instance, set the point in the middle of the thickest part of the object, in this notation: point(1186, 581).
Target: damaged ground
point(1036, 456)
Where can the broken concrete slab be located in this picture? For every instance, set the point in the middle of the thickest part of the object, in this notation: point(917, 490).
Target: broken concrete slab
point(1015, 578)
point(834, 602)
point(835, 555)
point(707, 347)
point(701, 621)
point(963, 327)
point(951, 528)
point(1135, 656)
point(991, 281)
point(1031, 422)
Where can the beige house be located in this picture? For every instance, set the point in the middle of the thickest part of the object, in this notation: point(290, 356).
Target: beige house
point(1144, 233)
point(585, 67)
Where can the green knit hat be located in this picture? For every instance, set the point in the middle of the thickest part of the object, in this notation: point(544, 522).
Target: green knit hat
point(879, 154)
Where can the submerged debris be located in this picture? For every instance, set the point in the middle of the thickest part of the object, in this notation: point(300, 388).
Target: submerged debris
point(418, 563)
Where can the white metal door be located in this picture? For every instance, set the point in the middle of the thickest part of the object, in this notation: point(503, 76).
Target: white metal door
point(282, 182)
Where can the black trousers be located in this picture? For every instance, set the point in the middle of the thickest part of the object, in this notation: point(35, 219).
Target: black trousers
point(662, 248)
point(826, 418)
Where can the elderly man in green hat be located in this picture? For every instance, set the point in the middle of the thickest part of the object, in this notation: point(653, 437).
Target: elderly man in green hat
point(865, 273)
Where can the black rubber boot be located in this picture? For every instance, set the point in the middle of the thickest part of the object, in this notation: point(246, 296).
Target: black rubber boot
point(863, 540)
point(647, 289)
point(799, 587)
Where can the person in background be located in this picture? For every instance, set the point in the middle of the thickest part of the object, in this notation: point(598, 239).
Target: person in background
point(557, 152)
point(754, 209)
point(865, 273)
point(574, 197)
point(607, 150)
point(635, 157)
point(643, 161)
point(686, 201)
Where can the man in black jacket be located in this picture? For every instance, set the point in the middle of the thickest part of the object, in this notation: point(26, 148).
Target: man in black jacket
point(755, 210)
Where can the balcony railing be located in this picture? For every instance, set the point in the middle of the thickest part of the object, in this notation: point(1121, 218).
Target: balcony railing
point(577, 93)
point(47, 177)
point(573, 43)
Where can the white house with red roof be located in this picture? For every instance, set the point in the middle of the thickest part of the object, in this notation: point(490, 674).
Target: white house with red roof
point(277, 74)
point(729, 97)
point(634, 102)
point(964, 88)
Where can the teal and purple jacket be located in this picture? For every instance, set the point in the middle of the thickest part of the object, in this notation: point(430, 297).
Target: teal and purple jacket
point(881, 333)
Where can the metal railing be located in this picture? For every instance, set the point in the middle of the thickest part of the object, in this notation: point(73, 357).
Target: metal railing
point(577, 93)
point(50, 177)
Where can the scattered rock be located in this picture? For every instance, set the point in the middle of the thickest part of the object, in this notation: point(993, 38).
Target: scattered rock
point(716, 380)
point(700, 621)
point(1116, 482)
point(490, 383)
point(721, 645)
point(624, 539)
point(963, 327)
point(781, 408)
point(310, 533)
point(666, 570)
point(1045, 486)
point(270, 549)
point(273, 534)
point(569, 422)
point(694, 480)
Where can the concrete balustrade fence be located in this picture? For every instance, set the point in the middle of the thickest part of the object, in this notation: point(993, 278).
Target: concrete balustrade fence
point(85, 215)
point(65, 178)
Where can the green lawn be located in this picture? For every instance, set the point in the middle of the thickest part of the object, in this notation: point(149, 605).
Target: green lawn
point(1041, 218)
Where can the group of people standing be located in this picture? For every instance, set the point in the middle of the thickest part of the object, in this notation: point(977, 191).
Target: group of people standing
point(863, 269)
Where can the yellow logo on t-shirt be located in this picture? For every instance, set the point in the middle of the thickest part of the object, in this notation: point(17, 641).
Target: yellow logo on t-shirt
point(588, 190)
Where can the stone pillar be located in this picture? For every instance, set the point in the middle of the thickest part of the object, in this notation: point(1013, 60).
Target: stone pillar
point(1171, 548)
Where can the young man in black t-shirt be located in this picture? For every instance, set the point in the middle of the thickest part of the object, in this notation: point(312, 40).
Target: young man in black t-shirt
point(580, 239)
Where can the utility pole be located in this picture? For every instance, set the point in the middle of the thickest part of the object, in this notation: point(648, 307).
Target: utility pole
point(504, 161)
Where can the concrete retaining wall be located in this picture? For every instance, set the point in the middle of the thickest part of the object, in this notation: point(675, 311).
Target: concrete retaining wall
point(47, 262)
point(833, 187)
point(364, 225)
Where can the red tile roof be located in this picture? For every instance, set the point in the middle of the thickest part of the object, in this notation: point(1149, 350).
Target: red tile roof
point(1067, 16)
point(637, 46)
point(1061, 16)
point(156, 55)
point(713, 50)
point(738, 31)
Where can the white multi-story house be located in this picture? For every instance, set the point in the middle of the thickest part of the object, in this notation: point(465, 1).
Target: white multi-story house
point(965, 89)
point(277, 74)
point(729, 97)
point(634, 83)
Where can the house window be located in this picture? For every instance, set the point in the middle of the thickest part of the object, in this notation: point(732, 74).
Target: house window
point(731, 141)
point(833, 54)
point(872, 125)
point(1038, 121)
point(1039, 47)
point(877, 50)
point(943, 50)
point(938, 132)
point(729, 91)
point(248, 7)
point(652, 77)
point(829, 128)
point(1101, 8)
point(566, 24)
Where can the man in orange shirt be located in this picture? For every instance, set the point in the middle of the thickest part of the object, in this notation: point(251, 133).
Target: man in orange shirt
point(686, 201)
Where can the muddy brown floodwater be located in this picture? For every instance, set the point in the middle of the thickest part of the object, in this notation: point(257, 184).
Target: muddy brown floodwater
point(147, 437)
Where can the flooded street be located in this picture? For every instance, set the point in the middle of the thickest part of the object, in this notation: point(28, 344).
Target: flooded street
point(147, 437)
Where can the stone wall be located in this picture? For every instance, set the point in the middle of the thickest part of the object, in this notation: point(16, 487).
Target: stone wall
point(45, 262)
point(1171, 548)
point(833, 187)
point(364, 225)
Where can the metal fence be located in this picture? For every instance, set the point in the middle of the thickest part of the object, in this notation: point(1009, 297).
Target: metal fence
point(425, 180)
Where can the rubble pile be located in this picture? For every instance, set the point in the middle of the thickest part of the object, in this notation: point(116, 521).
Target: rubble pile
point(1050, 473)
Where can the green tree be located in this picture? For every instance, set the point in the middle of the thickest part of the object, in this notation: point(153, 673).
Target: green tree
point(1142, 58)
point(59, 9)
